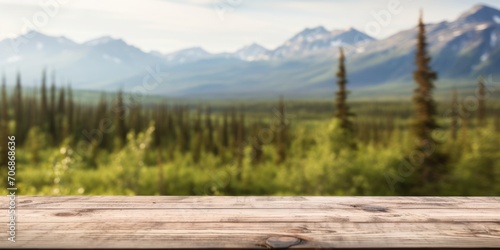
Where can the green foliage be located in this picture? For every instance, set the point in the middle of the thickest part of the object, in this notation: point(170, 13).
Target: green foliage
point(315, 166)
point(129, 161)
point(478, 171)
point(172, 151)
point(38, 141)
point(340, 139)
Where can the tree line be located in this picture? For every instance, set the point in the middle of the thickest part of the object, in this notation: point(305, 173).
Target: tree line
point(90, 128)
point(106, 124)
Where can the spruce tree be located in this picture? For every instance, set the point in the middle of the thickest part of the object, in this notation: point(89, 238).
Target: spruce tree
point(198, 137)
point(170, 127)
point(18, 111)
point(209, 141)
point(35, 109)
point(464, 125)
point(216, 146)
point(224, 132)
point(70, 111)
point(389, 128)
point(233, 135)
point(342, 110)
point(454, 115)
point(497, 121)
point(481, 104)
point(281, 133)
point(425, 106)
point(4, 125)
point(4, 116)
point(101, 120)
point(77, 123)
point(119, 110)
point(185, 135)
point(159, 125)
point(240, 150)
point(186, 127)
point(256, 142)
point(43, 101)
point(53, 113)
point(61, 101)
point(171, 137)
point(135, 121)
point(430, 167)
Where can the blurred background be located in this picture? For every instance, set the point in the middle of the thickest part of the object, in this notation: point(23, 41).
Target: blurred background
point(236, 97)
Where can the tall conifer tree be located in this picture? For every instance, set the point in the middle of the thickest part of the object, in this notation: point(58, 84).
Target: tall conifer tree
point(342, 110)
point(70, 111)
point(430, 166)
point(209, 141)
point(481, 104)
point(4, 124)
point(425, 105)
point(18, 111)
point(454, 114)
point(52, 112)
point(43, 100)
point(281, 133)
point(119, 110)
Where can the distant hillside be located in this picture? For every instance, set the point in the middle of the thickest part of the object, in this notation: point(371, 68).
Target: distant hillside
point(302, 66)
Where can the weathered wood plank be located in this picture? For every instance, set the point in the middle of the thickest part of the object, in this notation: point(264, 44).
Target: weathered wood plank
point(259, 215)
point(255, 222)
point(176, 202)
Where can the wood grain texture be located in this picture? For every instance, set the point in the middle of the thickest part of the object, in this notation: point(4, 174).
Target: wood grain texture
point(163, 222)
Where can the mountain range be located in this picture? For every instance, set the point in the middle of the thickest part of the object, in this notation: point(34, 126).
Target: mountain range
point(303, 66)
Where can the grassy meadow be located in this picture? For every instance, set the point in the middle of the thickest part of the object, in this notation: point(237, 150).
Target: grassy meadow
point(116, 145)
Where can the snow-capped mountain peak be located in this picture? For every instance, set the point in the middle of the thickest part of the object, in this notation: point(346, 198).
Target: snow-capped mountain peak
point(187, 55)
point(310, 34)
point(253, 52)
point(102, 40)
point(254, 46)
point(317, 40)
point(480, 13)
point(353, 36)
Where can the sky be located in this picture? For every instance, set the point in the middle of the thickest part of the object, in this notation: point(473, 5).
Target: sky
point(217, 25)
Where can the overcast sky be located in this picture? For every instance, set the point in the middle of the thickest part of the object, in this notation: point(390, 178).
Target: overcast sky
point(216, 25)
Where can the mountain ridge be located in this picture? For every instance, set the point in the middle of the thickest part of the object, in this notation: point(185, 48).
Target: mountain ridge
point(303, 64)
